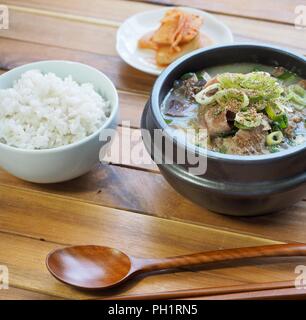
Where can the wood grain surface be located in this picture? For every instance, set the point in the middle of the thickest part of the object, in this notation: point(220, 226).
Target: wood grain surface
point(282, 11)
point(130, 206)
point(101, 39)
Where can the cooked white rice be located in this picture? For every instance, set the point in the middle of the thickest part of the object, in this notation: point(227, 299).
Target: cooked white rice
point(43, 111)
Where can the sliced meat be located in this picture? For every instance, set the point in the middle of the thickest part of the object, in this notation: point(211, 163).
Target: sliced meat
point(265, 123)
point(297, 119)
point(216, 121)
point(290, 130)
point(188, 88)
point(294, 120)
point(177, 108)
point(302, 83)
point(230, 115)
point(246, 142)
point(278, 71)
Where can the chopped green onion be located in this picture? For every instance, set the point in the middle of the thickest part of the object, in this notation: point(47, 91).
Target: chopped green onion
point(257, 69)
point(202, 98)
point(274, 138)
point(187, 76)
point(248, 119)
point(283, 122)
point(273, 149)
point(275, 126)
point(214, 86)
point(223, 149)
point(238, 99)
point(273, 112)
point(256, 85)
point(287, 75)
point(277, 115)
point(297, 95)
point(168, 121)
point(230, 80)
point(203, 75)
point(241, 126)
point(298, 90)
point(299, 103)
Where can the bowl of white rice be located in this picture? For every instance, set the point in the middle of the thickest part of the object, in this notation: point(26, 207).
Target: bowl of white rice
point(55, 116)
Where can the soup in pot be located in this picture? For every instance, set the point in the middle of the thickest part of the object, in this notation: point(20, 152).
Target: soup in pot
point(245, 109)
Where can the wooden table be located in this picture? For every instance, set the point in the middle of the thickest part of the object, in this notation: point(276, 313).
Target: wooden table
point(118, 205)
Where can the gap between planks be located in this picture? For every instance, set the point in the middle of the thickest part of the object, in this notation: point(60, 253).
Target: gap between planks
point(66, 16)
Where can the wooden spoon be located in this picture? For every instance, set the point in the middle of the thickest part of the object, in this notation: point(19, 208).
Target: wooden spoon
point(96, 267)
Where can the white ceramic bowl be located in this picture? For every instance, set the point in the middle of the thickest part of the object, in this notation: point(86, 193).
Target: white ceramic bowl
point(65, 162)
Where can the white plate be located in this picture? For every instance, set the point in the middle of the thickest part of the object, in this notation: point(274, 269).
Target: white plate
point(140, 24)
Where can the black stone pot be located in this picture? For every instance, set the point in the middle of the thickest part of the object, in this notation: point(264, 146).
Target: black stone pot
point(232, 184)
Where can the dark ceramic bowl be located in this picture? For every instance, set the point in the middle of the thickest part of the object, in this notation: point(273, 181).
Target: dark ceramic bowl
point(233, 184)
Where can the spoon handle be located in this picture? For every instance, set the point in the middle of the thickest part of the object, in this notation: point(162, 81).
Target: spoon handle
point(278, 250)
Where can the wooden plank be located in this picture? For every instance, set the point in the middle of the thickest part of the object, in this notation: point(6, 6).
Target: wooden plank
point(268, 33)
point(20, 294)
point(72, 222)
point(131, 107)
point(14, 53)
point(25, 259)
point(280, 294)
point(128, 150)
point(123, 188)
point(61, 32)
point(97, 39)
point(272, 10)
point(96, 8)
point(39, 216)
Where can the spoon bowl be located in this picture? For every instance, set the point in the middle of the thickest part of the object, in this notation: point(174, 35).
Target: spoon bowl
point(96, 267)
point(89, 267)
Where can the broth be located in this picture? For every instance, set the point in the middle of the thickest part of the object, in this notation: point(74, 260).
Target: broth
point(246, 108)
